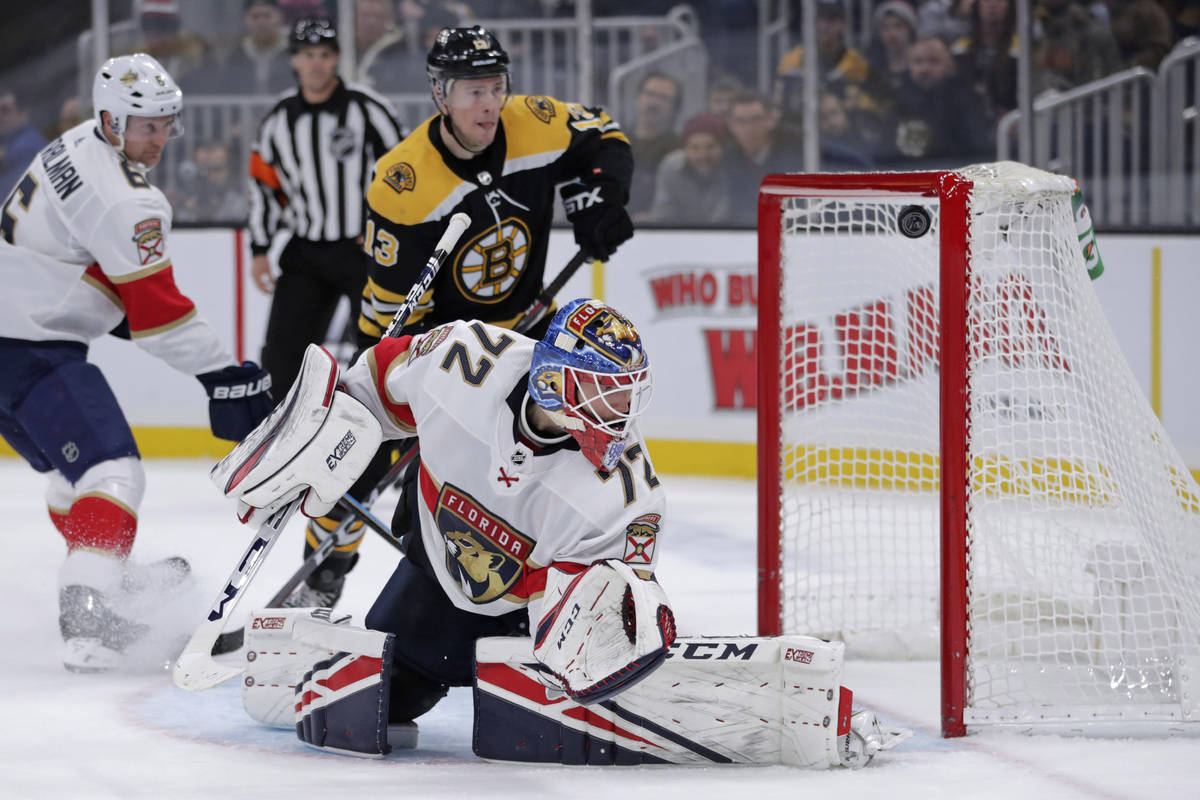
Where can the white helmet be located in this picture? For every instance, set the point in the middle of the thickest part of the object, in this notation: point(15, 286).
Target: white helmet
point(135, 85)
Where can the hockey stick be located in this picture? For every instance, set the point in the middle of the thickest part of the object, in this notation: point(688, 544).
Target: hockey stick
point(231, 640)
point(533, 315)
point(195, 668)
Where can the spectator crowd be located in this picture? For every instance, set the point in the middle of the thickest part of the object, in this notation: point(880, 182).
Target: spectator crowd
point(917, 84)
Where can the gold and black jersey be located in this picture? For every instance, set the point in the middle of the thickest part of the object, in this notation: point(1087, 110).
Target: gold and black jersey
point(508, 190)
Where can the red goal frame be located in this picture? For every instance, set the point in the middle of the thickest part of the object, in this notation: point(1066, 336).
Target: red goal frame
point(953, 192)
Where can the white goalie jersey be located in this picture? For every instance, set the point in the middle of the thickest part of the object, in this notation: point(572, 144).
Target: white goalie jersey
point(83, 243)
point(497, 508)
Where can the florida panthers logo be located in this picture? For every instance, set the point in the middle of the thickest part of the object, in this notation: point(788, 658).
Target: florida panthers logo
point(640, 538)
point(608, 332)
point(484, 553)
point(489, 266)
point(148, 237)
point(549, 381)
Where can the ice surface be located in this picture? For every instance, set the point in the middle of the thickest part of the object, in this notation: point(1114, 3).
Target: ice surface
point(135, 735)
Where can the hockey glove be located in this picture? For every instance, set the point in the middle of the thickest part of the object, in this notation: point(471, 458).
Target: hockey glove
point(606, 629)
point(597, 212)
point(238, 399)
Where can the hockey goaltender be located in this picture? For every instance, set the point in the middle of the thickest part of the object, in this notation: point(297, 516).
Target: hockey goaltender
point(529, 573)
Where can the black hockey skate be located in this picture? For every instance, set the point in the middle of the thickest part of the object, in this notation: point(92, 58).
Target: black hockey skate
point(324, 587)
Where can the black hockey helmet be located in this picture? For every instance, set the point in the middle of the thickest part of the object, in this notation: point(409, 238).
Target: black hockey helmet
point(464, 53)
point(312, 31)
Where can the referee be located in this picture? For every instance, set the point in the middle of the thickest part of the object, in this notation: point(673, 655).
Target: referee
point(312, 163)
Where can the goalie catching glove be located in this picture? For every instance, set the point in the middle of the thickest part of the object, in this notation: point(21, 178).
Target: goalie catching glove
point(316, 443)
point(602, 630)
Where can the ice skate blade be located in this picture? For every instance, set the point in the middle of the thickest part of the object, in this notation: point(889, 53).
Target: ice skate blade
point(402, 735)
point(86, 654)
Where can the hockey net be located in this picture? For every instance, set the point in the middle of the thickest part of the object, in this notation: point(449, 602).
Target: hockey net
point(915, 327)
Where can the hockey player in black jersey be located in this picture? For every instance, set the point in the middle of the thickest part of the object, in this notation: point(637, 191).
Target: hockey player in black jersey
point(498, 157)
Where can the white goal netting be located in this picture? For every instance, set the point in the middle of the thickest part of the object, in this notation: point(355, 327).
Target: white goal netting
point(1082, 522)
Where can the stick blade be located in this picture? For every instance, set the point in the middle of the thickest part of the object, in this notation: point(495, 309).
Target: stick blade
point(198, 671)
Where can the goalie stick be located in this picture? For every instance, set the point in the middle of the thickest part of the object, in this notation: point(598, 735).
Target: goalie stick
point(195, 669)
point(232, 640)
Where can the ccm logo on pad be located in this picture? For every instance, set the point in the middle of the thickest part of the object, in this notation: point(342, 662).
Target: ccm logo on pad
point(268, 623)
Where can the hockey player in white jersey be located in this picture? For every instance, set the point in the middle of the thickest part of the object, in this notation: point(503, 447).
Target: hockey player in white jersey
point(534, 489)
point(84, 250)
point(533, 523)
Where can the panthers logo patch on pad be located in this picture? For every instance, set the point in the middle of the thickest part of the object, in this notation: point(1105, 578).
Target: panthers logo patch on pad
point(401, 177)
point(148, 237)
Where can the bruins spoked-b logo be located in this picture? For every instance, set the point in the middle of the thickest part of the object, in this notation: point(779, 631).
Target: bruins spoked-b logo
point(607, 331)
point(401, 177)
point(489, 266)
point(484, 553)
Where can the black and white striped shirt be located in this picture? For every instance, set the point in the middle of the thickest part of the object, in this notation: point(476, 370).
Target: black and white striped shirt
point(312, 164)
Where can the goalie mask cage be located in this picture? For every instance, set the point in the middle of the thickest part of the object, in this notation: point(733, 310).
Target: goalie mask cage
point(955, 458)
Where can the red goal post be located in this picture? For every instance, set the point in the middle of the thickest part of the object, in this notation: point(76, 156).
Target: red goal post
point(955, 460)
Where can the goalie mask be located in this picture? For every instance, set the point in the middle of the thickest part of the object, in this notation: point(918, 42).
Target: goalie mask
point(135, 86)
point(593, 377)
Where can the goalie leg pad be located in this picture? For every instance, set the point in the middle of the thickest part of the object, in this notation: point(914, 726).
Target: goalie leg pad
point(715, 700)
point(342, 704)
point(316, 443)
point(277, 658)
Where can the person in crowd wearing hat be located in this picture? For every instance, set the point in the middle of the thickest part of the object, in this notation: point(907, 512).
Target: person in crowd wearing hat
point(692, 182)
point(893, 30)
